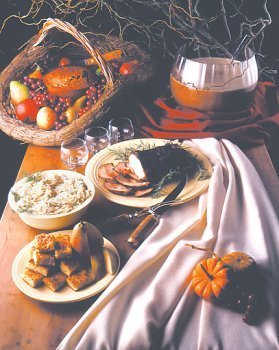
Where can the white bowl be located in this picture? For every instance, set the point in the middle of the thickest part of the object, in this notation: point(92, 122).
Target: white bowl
point(53, 221)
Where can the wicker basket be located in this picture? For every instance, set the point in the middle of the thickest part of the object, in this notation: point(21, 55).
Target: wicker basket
point(92, 44)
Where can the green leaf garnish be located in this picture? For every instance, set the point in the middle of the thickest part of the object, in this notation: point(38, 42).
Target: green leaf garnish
point(16, 196)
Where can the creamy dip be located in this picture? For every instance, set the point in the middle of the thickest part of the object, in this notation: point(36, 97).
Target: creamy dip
point(50, 193)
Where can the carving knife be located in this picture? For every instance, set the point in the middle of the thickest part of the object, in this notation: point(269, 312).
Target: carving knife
point(154, 215)
point(127, 220)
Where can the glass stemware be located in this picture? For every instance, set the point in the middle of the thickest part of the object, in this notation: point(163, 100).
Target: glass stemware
point(214, 83)
point(121, 129)
point(96, 138)
point(74, 153)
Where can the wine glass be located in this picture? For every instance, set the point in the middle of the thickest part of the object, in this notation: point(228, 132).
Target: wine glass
point(96, 139)
point(214, 83)
point(74, 153)
point(120, 129)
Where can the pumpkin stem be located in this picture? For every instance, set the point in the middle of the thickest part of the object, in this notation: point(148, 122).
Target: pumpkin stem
point(203, 249)
point(207, 273)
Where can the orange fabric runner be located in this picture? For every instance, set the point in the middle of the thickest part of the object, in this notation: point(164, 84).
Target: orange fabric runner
point(163, 118)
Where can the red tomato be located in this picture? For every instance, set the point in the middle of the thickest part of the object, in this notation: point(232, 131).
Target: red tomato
point(128, 67)
point(26, 111)
point(64, 61)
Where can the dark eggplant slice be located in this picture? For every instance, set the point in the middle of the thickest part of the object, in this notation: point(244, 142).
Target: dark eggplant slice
point(131, 182)
point(118, 188)
point(155, 163)
point(141, 193)
point(107, 171)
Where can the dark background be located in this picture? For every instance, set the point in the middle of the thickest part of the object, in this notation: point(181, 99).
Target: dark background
point(15, 34)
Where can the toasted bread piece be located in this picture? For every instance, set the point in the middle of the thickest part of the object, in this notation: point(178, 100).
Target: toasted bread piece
point(80, 280)
point(63, 248)
point(55, 282)
point(62, 238)
point(70, 266)
point(43, 270)
point(63, 253)
point(34, 279)
point(45, 242)
point(42, 259)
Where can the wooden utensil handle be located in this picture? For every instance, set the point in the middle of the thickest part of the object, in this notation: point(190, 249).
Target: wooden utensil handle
point(113, 224)
point(136, 234)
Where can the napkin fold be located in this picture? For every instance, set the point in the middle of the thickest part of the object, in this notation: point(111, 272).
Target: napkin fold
point(151, 305)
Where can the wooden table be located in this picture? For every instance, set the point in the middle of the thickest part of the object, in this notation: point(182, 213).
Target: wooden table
point(29, 324)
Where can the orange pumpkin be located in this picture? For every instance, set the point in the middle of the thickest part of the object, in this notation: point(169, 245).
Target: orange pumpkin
point(210, 278)
point(67, 81)
point(239, 261)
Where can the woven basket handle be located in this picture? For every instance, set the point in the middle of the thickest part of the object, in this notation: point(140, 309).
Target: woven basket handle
point(93, 51)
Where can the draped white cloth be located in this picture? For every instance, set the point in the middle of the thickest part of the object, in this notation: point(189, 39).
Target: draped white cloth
point(151, 305)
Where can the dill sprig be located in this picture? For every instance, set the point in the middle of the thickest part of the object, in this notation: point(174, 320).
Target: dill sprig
point(171, 176)
point(123, 154)
point(16, 196)
point(202, 174)
point(34, 177)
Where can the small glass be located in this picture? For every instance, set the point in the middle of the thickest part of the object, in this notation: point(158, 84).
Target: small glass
point(96, 139)
point(121, 129)
point(74, 153)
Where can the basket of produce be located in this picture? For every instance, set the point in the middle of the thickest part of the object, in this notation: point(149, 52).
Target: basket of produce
point(64, 80)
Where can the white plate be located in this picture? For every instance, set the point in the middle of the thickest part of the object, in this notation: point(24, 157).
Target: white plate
point(65, 295)
point(192, 189)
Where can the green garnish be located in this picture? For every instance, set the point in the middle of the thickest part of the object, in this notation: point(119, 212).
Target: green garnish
point(34, 177)
point(16, 196)
point(123, 154)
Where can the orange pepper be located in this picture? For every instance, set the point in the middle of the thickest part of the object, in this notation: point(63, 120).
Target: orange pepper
point(128, 67)
point(36, 74)
point(64, 61)
point(107, 56)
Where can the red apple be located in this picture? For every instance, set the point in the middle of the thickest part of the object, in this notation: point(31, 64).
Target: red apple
point(26, 111)
point(46, 118)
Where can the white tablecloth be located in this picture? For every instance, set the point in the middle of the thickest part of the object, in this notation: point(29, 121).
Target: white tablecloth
point(151, 305)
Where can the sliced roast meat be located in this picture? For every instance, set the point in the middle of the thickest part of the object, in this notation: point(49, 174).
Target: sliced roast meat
point(134, 176)
point(117, 188)
point(136, 166)
point(131, 182)
point(141, 193)
point(122, 168)
point(155, 163)
point(107, 171)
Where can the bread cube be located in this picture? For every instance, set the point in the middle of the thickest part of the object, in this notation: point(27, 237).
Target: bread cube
point(42, 259)
point(55, 282)
point(43, 270)
point(34, 279)
point(70, 266)
point(44, 242)
point(80, 280)
point(63, 248)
